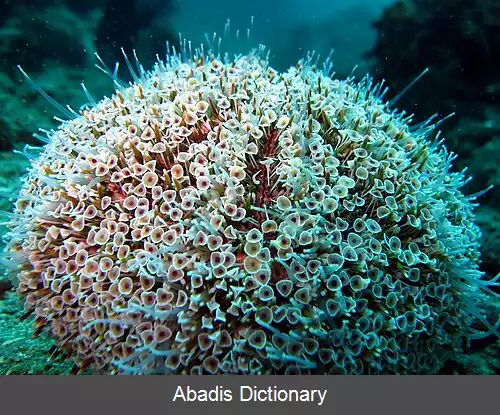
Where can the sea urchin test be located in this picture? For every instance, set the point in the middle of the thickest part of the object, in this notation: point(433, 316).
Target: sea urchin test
point(216, 216)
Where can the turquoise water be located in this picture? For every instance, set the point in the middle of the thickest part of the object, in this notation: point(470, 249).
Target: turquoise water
point(291, 28)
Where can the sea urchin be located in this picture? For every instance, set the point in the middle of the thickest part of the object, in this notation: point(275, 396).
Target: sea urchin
point(216, 216)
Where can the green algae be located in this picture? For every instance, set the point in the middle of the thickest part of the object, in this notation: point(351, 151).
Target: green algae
point(20, 352)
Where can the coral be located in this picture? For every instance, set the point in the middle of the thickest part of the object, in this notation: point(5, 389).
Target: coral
point(219, 217)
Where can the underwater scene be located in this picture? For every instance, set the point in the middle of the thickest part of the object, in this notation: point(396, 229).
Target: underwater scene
point(265, 187)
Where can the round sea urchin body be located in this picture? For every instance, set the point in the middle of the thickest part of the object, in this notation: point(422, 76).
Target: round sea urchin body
point(220, 217)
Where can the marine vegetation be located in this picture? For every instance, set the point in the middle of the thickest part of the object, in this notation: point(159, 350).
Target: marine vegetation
point(216, 216)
